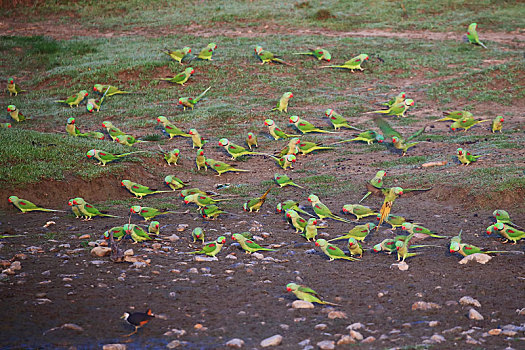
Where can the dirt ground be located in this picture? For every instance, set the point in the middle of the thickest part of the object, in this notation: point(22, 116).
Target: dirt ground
point(204, 304)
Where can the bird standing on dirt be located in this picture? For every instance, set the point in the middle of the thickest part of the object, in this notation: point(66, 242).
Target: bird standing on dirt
point(207, 52)
point(466, 123)
point(24, 205)
point(319, 53)
point(139, 190)
point(75, 99)
point(472, 35)
point(107, 89)
point(212, 248)
point(221, 167)
point(305, 126)
point(338, 121)
point(333, 252)
point(275, 131)
point(465, 157)
point(190, 102)
point(13, 88)
point(322, 210)
point(137, 319)
point(282, 105)
point(352, 64)
point(305, 293)
point(182, 77)
point(256, 203)
point(397, 109)
point(15, 113)
point(248, 245)
point(497, 124)
point(268, 57)
point(178, 55)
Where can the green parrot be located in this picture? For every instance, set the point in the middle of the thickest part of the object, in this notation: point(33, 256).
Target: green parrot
point(418, 229)
point(466, 123)
point(268, 57)
point(376, 182)
point(368, 136)
point(355, 247)
point(248, 245)
point(397, 109)
point(212, 248)
point(117, 231)
point(182, 77)
point(283, 180)
point(210, 211)
point(387, 245)
point(174, 182)
point(74, 209)
point(171, 129)
point(402, 247)
point(291, 148)
point(396, 99)
point(255, 204)
point(322, 210)
point(305, 126)
point(502, 216)
point(200, 160)
point(221, 167)
point(93, 135)
point(16, 114)
point(190, 191)
point(5, 125)
point(286, 161)
point(24, 205)
point(197, 233)
point(148, 213)
point(236, 151)
point(92, 105)
point(275, 131)
point(190, 102)
point(75, 99)
point(154, 228)
point(290, 204)
point(105, 157)
point(306, 293)
point(207, 52)
point(112, 130)
point(139, 190)
point(338, 121)
point(359, 232)
point(88, 210)
point(251, 140)
point(497, 124)
point(178, 55)
point(196, 138)
point(127, 140)
point(393, 220)
point(297, 221)
point(508, 232)
point(353, 64)
point(172, 156)
point(398, 140)
point(468, 249)
point(319, 53)
point(282, 105)
point(455, 115)
point(107, 89)
point(332, 251)
point(136, 233)
point(310, 231)
point(201, 199)
point(360, 211)
point(472, 35)
point(306, 147)
point(71, 128)
point(13, 88)
point(465, 157)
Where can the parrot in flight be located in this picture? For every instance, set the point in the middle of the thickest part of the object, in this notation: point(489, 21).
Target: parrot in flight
point(398, 140)
point(497, 124)
point(338, 121)
point(109, 90)
point(455, 115)
point(397, 109)
point(251, 140)
point(502, 216)
point(360, 211)
point(221, 167)
point(376, 182)
point(305, 126)
point(248, 245)
point(296, 220)
point(396, 99)
point(283, 180)
point(105, 157)
point(306, 293)
point(178, 55)
point(88, 210)
point(353, 64)
point(368, 136)
point(275, 131)
point(268, 57)
point(465, 157)
point(236, 151)
point(207, 52)
point(75, 99)
point(182, 77)
point(319, 53)
point(306, 147)
point(359, 232)
point(189, 102)
point(16, 114)
point(472, 35)
point(136, 233)
point(332, 251)
point(139, 190)
point(506, 231)
point(197, 233)
point(171, 129)
point(282, 105)
point(322, 210)
point(212, 248)
point(418, 229)
point(13, 88)
point(148, 213)
point(24, 205)
point(310, 230)
point(255, 204)
point(174, 182)
point(290, 204)
point(466, 123)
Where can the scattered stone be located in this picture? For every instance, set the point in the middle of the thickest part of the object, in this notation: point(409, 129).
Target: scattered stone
point(346, 339)
point(451, 303)
point(423, 305)
point(86, 236)
point(301, 304)
point(521, 312)
point(235, 343)
point(156, 246)
point(336, 314)
point(34, 250)
point(101, 251)
point(433, 323)
point(326, 345)
point(509, 333)
point(383, 337)
point(437, 338)
point(321, 326)
point(5, 263)
point(272, 341)
point(474, 315)
point(182, 227)
point(471, 340)
point(466, 300)
point(19, 256)
point(452, 330)
point(403, 266)
point(193, 270)
point(355, 326)
point(139, 265)
point(407, 325)
point(476, 257)
point(258, 256)
point(299, 319)
point(49, 223)
point(304, 342)
point(369, 340)
point(231, 256)
point(129, 252)
point(97, 262)
point(15, 266)
point(284, 326)
point(356, 335)
point(114, 347)
point(495, 331)
point(201, 258)
point(173, 238)
point(173, 344)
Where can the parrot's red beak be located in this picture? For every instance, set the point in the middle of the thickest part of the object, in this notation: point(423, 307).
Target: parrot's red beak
point(289, 289)
point(291, 95)
point(180, 102)
point(315, 222)
point(10, 201)
point(345, 210)
point(489, 232)
point(460, 153)
point(288, 215)
point(75, 203)
point(233, 237)
point(186, 202)
point(167, 183)
point(122, 183)
point(309, 200)
point(397, 248)
point(192, 71)
point(376, 251)
point(189, 51)
point(453, 129)
point(328, 60)
point(380, 141)
point(350, 244)
point(502, 120)
point(9, 126)
point(316, 244)
point(89, 156)
point(11, 81)
point(401, 192)
point(86, 94)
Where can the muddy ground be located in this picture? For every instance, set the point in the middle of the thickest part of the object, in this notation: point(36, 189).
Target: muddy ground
point(202, 305)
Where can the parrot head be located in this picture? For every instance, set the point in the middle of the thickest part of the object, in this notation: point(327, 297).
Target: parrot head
point(90, 153)
point(10, 80)
point(291, 287)
point(501, 120)
point(490, 229)
point(371, 225)
point(11, 108)
point(351, 241)
point(200, 152)
point(329, 112)
point(7, 125)
point(135, 209)
point(395, 139)
point(11, 199)
point(313, 198)
point(258, 49)
point(224, 142)
point(290, 158)
point(176, 152)
point(70, 203)
point(312, 221)
point(399, 244)
point(186, 50)
point(250, 135)
point(83, 92)
point(221, 240)
point(454, 247)
point(460, 151)
point(189, 70)
point(71, 120)
point(294, 119)
point(398, 191)
point(403, 94)
point(279, 208)
point(380, 138)
point(409, 102)
point(321, 243)
point(90, 108)
point(106, 235)
point(97, 88)
point(499, 226)
point(288, 95)
point(377, 248)
point(234, 236)
point(347, 208)
point(192, 132)
point(269, 122)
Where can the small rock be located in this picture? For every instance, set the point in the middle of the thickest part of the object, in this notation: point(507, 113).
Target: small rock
point(403, 266)
point(437, 338)
point(474, 315)
point(509, 333)
point(114, 347)
point(452, 330)
point(272, 341)
point(201, 258)
point(326, 345)
point(20, 256)
point(369, 340)
point(97, 262)
point(193, 270)
point(355, 326)
point(495, 331)
point(284, 326)
point(521, 312)
point(356, 335)
point(346, 339)
point(320, 326)
point(182, 227)
point(471, 340)
point(301, 304)
point(476, 257)
point(466, 300)
point(451, 303)
point(231, 256)
point(139, 265)
point(173, 344)
point(336, 314)
point(101, 251)
point(423, 305)
point(86, 236)
point(235, 343)
point(156, 246)
point(433, 323)
point(16, 266)
point(5, 263)
point(173, 238)
point(304, 343)
point(129, 252)
point(258, 256)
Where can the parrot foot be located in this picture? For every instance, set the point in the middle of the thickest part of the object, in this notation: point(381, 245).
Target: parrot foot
point(130, 334)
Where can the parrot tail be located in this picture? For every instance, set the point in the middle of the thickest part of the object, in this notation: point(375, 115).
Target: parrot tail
point(381, 111)
point(333, 67)
point(338, 238)
point(237, 170)
point(296, 185)
point(201, 95)
point(303, 53)
point(278, 60)
point(329, 303)
point(335, 217)
point(365, 196)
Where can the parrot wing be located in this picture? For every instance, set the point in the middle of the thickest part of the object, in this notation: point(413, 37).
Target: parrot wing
point(306, 289)
point(386, 128)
